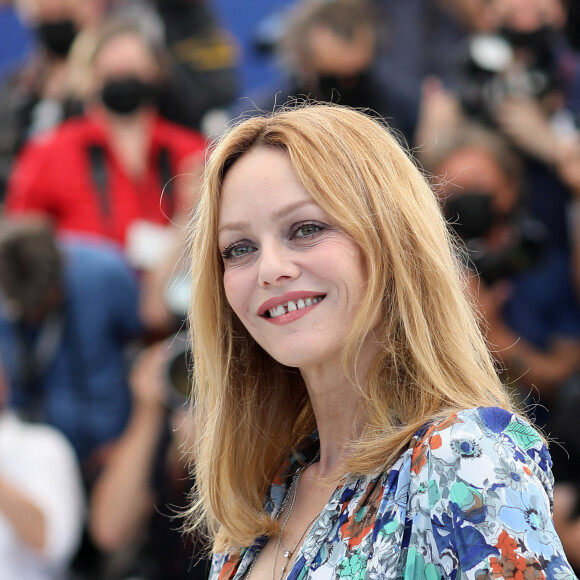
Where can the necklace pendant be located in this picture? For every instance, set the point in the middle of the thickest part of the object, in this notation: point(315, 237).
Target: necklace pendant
point(287, 554)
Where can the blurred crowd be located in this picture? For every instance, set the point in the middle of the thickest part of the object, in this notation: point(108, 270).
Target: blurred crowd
point(105, 124)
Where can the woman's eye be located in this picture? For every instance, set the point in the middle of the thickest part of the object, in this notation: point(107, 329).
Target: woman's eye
point(237, 250)
point(306, 230)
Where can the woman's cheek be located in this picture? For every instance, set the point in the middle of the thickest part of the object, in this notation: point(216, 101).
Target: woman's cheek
point(235, 290)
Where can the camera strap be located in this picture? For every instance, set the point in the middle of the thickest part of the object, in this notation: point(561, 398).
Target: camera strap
point(98, 164)
point(34, 354)
point(100, 178)
point(165, 179)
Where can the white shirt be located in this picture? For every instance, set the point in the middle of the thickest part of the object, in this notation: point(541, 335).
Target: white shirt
point(42, 464)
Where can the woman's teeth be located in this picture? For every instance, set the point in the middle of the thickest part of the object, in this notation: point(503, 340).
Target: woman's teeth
point(290, 306)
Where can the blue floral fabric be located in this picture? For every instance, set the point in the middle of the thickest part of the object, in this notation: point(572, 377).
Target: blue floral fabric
point(470, 498)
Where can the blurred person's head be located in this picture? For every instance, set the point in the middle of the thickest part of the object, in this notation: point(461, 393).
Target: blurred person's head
point(57, 22)
point(479, 186)
point(30, 270)
point(477, 169)
point(126, 67)
point(330, 46)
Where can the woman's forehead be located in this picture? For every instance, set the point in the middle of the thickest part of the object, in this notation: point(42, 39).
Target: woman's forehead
point(262, 177)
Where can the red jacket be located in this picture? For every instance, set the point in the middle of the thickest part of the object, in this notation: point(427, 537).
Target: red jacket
point(72, 176)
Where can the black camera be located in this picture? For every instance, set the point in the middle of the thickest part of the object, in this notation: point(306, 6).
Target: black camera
point(470, 215)
point(494, 69)
point(525, 251)
point(178, 370)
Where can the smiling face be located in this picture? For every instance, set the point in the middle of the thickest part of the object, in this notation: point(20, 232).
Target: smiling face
point(291, 275)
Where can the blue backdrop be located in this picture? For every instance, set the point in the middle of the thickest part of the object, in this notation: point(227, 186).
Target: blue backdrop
point(242, 20)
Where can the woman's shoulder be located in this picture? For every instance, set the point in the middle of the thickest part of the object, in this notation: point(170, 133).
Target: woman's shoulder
point(488, 419)
point(483, 440)
point(492, 423)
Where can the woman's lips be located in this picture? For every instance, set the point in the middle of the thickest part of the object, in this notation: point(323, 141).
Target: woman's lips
point(289, 306)
point(292, 306)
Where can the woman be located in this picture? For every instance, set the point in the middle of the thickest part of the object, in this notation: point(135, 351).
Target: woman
point(352, 420)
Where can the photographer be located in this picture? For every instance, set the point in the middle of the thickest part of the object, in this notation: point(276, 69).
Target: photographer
point(68, 315)
point(35, 96)
point(519, 76)
point(567, 407)
point(329, 52)
point(108, 173)
point(523, 289)
point(145, 481)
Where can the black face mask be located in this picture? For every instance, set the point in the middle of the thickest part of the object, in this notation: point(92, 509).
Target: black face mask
point(470, 214)
point(57, 36)
point(125, 96)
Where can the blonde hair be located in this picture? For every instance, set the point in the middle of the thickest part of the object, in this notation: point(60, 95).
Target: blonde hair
point(254, 412)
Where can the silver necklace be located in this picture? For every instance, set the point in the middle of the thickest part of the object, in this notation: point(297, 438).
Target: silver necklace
point(287, 553)
point(291, 495)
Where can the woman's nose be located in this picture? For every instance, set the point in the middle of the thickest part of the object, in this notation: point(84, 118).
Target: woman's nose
point(276, 265)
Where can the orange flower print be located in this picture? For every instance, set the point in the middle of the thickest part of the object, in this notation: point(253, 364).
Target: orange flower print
point(511, 564)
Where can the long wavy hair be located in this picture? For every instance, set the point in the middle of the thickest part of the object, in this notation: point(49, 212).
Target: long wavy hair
point(252, 411)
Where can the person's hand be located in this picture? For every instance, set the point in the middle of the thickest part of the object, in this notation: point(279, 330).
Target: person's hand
point(522, 119)
point(439, 112)
point(567, 524)
point(24, 514)
point(566, 351)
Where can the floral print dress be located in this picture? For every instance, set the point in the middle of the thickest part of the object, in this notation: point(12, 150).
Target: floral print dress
point(470, 498)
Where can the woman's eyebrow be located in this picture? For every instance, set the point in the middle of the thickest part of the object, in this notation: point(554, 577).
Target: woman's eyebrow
point(281, 213)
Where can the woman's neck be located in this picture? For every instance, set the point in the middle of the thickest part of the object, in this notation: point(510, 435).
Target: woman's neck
point(336, 402)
